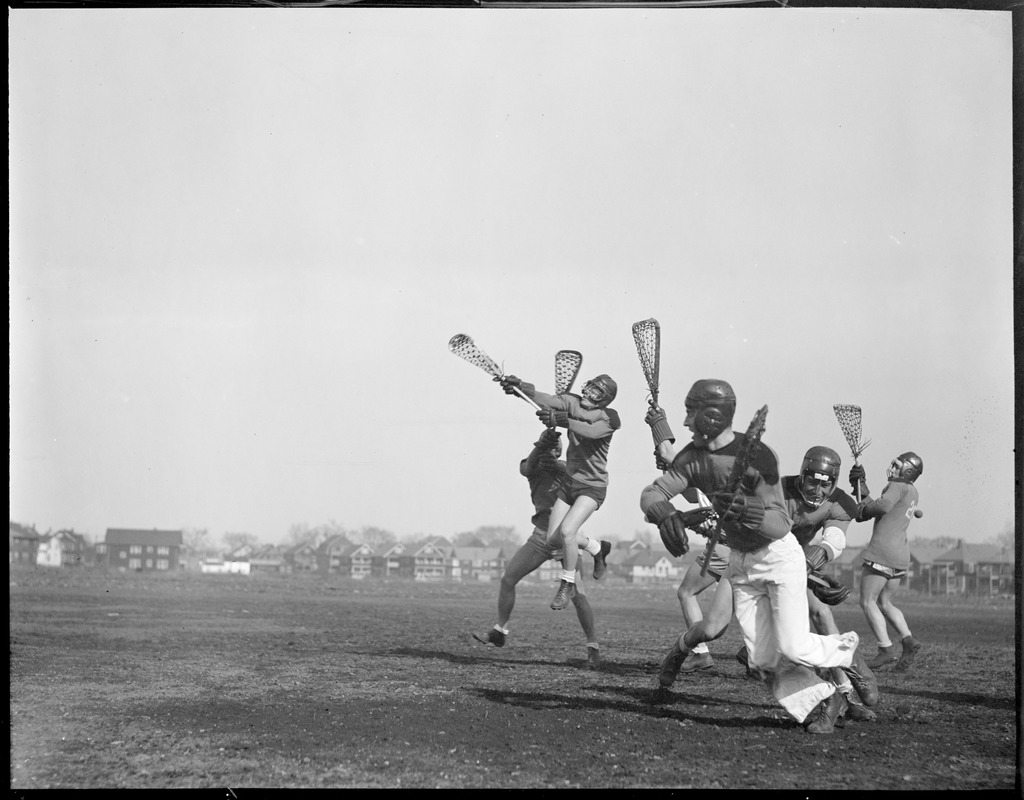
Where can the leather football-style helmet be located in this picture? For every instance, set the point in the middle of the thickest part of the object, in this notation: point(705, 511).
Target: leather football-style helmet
point(906, 466)
point(712, 403)
point(819, 474)
point(600, 390)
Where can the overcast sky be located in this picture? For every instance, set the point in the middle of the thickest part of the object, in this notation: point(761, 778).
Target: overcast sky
point(241, 240)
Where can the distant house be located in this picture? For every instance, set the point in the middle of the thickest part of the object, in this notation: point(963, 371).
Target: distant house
point(338, 556)
point(65, 548)
point(425, 561)
point(268, 559)
point(24, 544)
point(975, 569)
point(301, 557)
point(479, 563)
point(922, 576)
point(846, 568)
point(140, 550)
point(649, 565)
point(388, 562)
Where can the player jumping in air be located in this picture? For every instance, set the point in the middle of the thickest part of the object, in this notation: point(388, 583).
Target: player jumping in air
point(887, 555)
point(544, 472)
point(767, 570)
point(590, 424)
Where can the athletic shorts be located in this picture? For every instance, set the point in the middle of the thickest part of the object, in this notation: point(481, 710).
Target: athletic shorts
point(571, 489)
point(539, 541)
point(719, 562)
point(886, 572)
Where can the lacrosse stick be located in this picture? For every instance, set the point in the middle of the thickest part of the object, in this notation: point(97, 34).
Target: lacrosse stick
point(647, 337)
point(744, 458)
point(465, 348)
point(567, 367)
point(849, 423)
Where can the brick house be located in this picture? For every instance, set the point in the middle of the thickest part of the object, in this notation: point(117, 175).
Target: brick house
point(478, 563)
point(388, 562)
point(140, 550)
point(338, 556)
point(301, 557)
point(65, 548)
point(425, 561)
point(974, 569)
point(24, 543)
point(649, 565)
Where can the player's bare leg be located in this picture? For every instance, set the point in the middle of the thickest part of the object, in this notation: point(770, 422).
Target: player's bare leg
point(528, 558)
point(871, 587)
point(586, 618)
point(694, 584)
point(911, 647)
point(563, 529)
point(706, 630)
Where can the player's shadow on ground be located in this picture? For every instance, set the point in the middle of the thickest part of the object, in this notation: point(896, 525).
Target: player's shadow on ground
point(490, 655)
point(998, 703)
point(679, 706)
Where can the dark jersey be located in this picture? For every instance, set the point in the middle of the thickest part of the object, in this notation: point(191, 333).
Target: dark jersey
point(709, 471)
point(590, 437)
point(837, 510)
point(544, 481)
point(892, 513)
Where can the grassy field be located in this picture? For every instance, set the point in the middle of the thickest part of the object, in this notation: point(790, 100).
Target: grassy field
point(186, 681)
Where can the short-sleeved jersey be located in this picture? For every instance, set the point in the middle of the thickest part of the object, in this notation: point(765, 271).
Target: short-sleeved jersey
point(590, 436)
point(544, 484)
point(892, 513)
point(838, 510)
point(709, 472)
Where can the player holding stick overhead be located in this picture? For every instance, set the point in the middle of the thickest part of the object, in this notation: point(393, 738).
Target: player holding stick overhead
point(590, 424)
point(544, 472)
point(767, 570)
point(887, 555)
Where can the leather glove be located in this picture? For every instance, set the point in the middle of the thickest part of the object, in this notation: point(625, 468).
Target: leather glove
point(509, 383)
point(553, 418)
point(700, 520)
point(670, 526)
point(857, 481)
point(660, 462)
point(660, 429)
point(831, 595)
point(739, 509)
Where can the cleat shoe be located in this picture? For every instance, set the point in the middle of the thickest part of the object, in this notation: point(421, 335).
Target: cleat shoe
point(741, 656)
point(828, 715)
point(699, 661)
point(566, 592)
point(856, 711)
point(593, 658)
point(672, 663)
point(493, 636)
point(911, 647)
point(600, 565)
point(885, 655)
point(862, 678)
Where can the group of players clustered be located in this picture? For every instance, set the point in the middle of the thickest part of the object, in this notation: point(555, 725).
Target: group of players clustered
point(768, 535)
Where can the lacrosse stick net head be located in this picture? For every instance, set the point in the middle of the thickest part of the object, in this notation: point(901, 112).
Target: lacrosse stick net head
point(567, 368)
point(465, 348)
point(849, 417)
point(647, 338)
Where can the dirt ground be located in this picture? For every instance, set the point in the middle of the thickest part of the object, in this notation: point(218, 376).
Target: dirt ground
point(190, 681)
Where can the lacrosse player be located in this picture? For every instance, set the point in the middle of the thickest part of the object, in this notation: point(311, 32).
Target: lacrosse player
point(590, 425)
point(767, 570)
point(544, 472)
point(887, 555)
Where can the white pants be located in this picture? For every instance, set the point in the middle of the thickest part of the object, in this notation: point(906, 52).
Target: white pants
point(769, 588)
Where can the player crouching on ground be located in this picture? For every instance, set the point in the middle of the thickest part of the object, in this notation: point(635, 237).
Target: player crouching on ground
point(590, 424)
point(544, 472)
point(767, 570)
point(886, 558)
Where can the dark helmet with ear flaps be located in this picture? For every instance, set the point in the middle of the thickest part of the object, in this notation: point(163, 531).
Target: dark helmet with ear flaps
point(600, 390)
point(712, 403)
point(906, 466)
point(819, 474)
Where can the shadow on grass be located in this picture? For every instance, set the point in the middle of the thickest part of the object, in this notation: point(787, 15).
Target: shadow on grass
point(660, 704)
